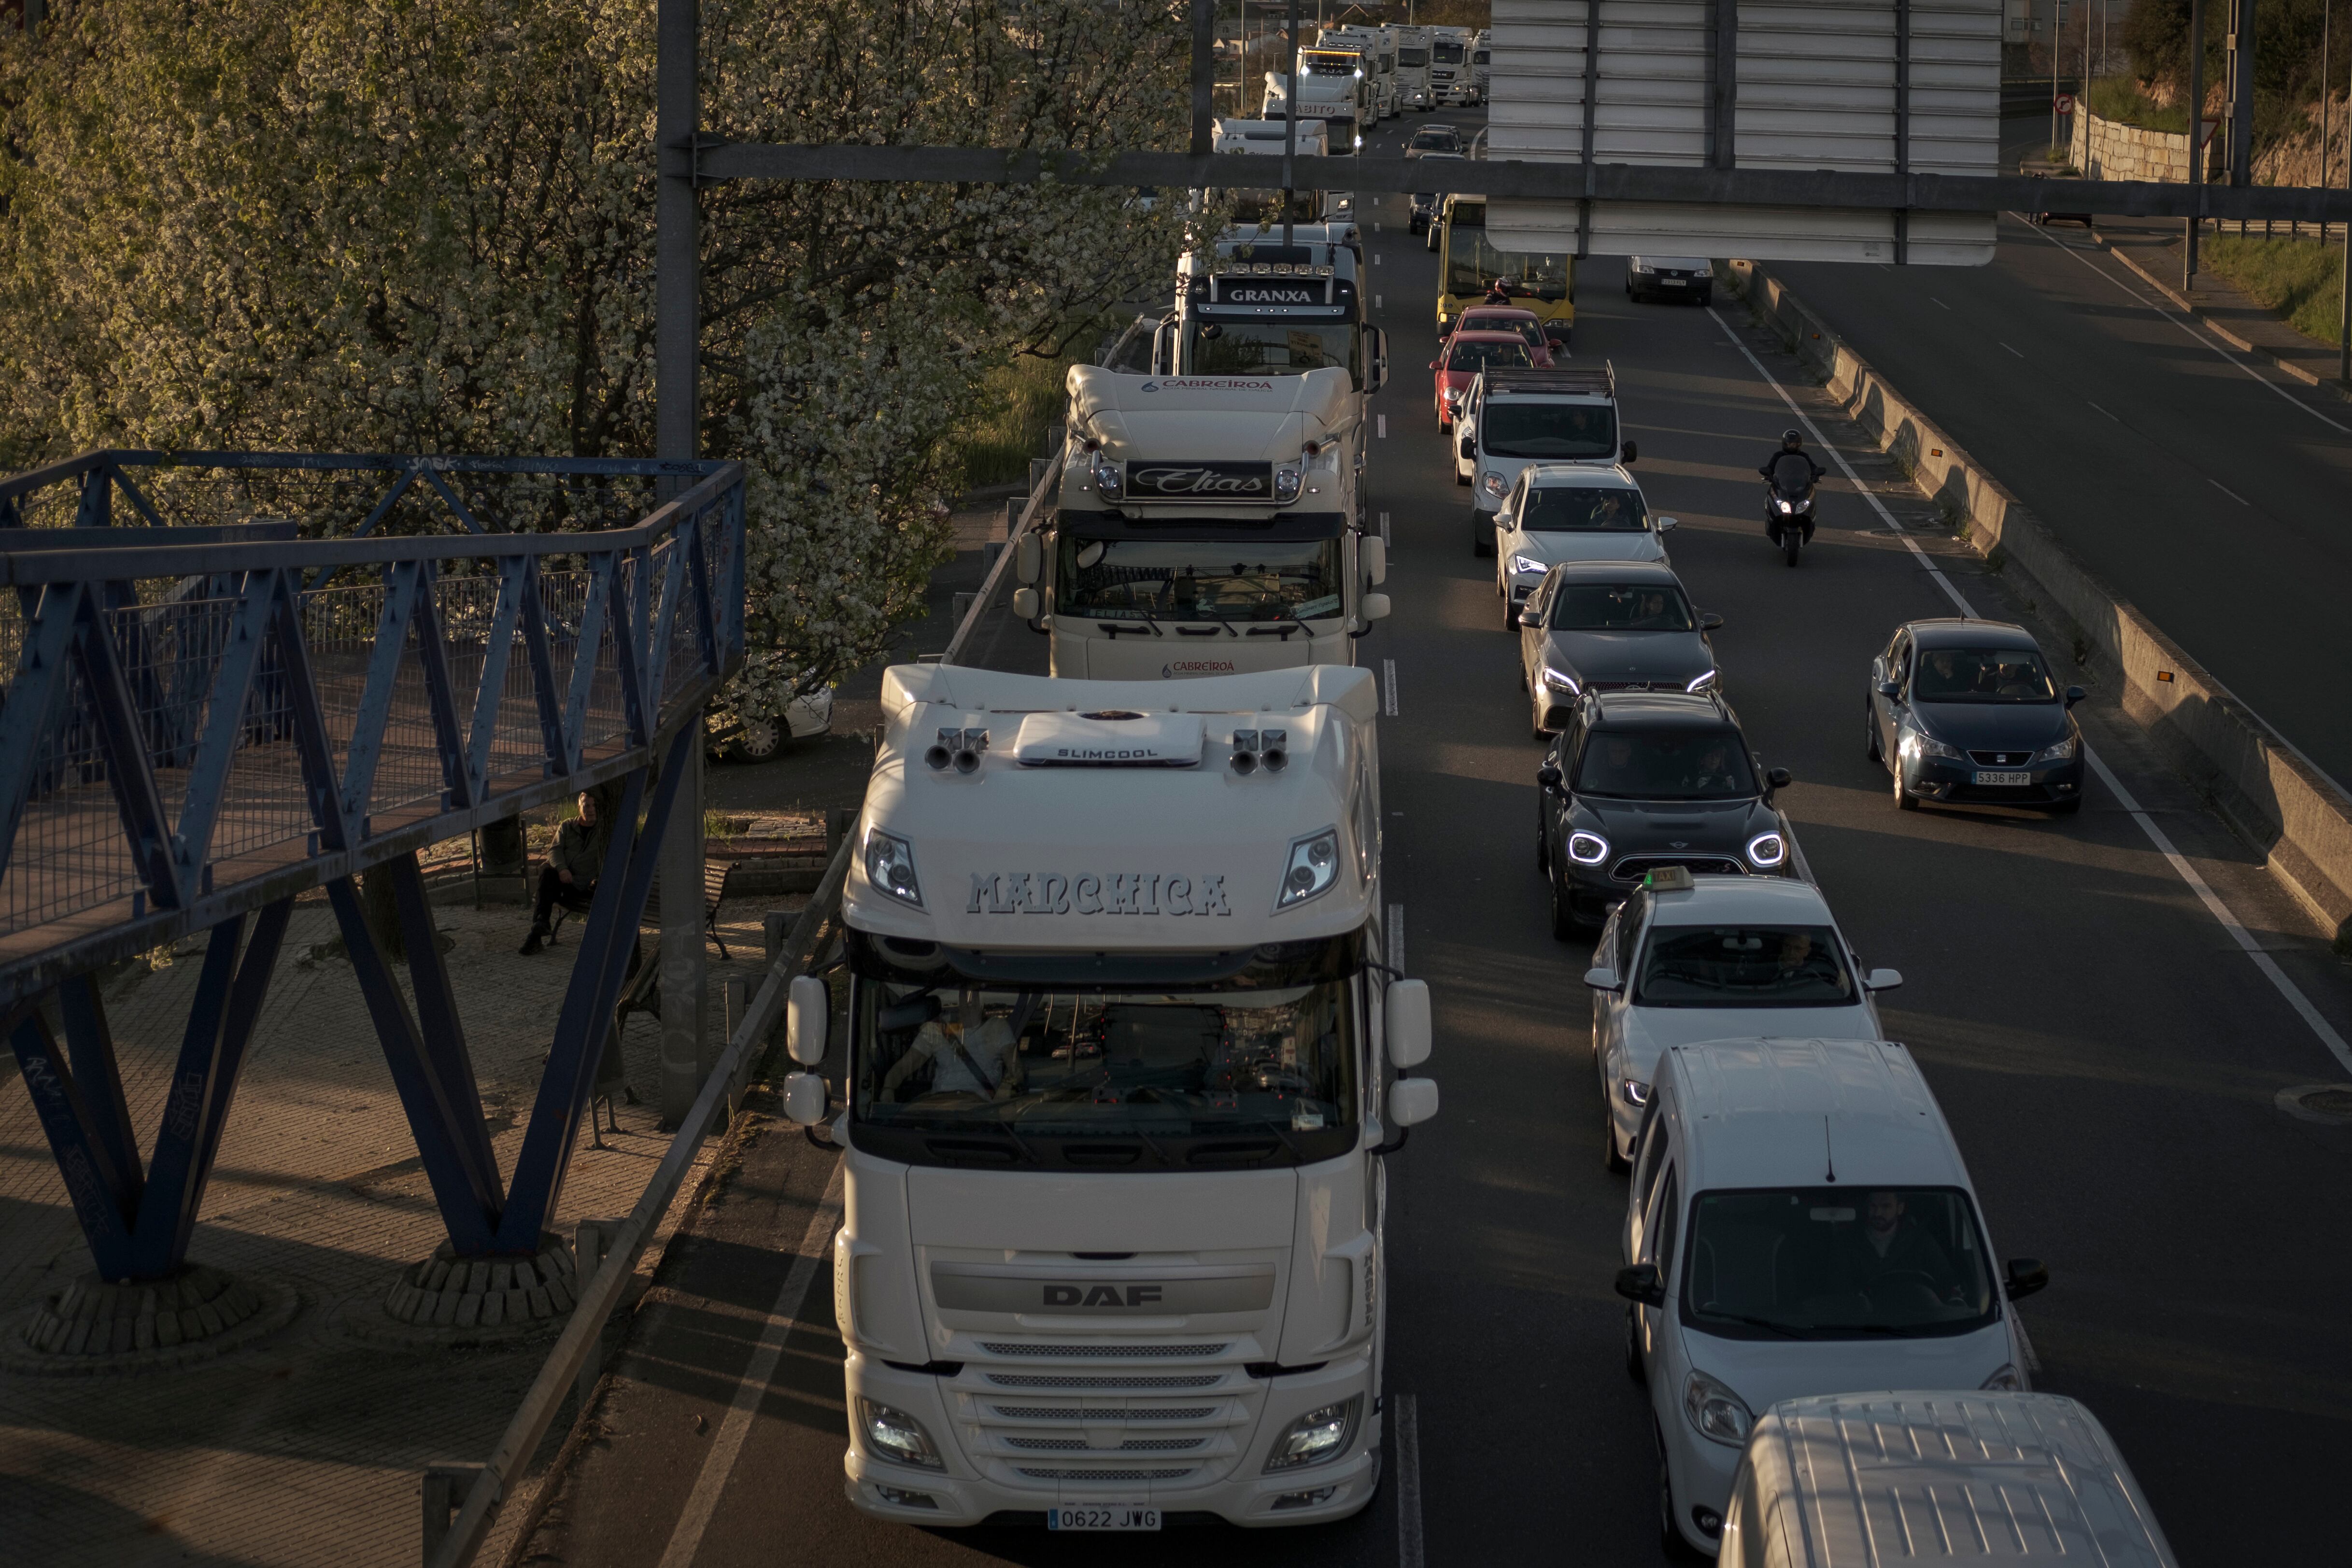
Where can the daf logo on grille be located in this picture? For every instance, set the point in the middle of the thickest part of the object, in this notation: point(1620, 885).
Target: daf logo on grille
point(1100, 1296)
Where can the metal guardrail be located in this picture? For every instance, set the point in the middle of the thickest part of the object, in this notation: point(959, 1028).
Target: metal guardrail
point(452, 1544)
point(1048, 482)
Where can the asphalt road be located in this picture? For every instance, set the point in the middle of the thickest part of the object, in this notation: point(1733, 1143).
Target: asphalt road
point(2107, 1056)
point(2208, 488)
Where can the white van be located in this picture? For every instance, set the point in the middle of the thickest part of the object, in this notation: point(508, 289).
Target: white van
point(1799, 1223)
point(1956, 1478)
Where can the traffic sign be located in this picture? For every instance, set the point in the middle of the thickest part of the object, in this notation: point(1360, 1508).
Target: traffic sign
point(2066, 103)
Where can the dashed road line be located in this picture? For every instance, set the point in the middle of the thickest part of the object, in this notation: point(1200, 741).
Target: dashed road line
point(2006, 346)
point(1408, 1483)
point(1382, 427)
point(1388, 688)
point(1384, 529)
point(2227, 491)
point(2103, 410)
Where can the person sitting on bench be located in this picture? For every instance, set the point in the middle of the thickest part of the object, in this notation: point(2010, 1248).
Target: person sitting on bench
point(569, 877)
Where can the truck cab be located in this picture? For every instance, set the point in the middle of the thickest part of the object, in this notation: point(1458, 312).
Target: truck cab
point(1121, 1065)
point(1206, 525)
point(1413, 72)
point(1378, 46)
point(1451, 80)
point(1335, 86)
point(1253, 307)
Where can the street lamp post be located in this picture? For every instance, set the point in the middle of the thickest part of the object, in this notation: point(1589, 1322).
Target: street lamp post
point(2196, 137)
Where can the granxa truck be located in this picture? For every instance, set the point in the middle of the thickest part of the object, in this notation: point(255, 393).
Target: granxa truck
point(1122, 1061)
point(1206, 525)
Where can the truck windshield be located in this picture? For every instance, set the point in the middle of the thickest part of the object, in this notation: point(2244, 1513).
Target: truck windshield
point(1131, 580)
point(1519, 427)
point(1274, 348)
point(1412, 57)
point(1836, 1262)
point(1085, 1063)
point(1446, 54)
point(1472, 264)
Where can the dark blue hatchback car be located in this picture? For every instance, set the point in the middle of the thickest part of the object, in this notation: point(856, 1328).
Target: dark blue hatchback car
point(1966, 712)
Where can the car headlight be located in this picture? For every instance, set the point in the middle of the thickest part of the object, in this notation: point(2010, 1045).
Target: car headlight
point(1702, 683)
point(1916, 742)
point(1314, 867)
point(1767, 850)
point(1717, 1413)
point(1528, 563)
point(1493, 484)
point(1635, 1092)
point(1587, 849)
point(893, 1434)
point(1285, 484)
point(2007, 1378)
point(1107, 476)
point(1560, 681)
point(890, 866)
point(1322, 1434)
point(2060, 751)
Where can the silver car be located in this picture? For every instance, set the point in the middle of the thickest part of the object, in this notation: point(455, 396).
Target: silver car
point(1608, 626)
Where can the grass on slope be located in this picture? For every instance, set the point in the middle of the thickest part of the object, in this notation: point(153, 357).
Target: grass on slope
point(2119, 98)
point(2301, 280)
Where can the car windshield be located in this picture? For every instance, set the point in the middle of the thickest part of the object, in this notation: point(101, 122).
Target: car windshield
point(1472, 356)
point(1521, 427)
point(1666, 765)
point(1085, 1063)
point(1135, 579)
point(1619, 607)
point(1433, 139)
point(1981, 675)
point(1274, 348)
point(1744, 966)
point(1581, 508)
point(1836, 1262)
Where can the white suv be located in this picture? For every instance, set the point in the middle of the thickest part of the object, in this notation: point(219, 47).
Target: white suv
point(1689, 959)
point(1511, 418)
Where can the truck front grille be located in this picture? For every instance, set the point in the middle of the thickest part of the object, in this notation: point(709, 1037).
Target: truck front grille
point(1089, 1422)
point(1083, 1351)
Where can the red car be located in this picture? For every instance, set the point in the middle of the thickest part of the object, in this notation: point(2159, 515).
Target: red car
point(1508, 318)
point(1465, 355)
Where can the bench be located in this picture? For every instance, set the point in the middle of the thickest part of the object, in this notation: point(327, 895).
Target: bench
point(717, 877)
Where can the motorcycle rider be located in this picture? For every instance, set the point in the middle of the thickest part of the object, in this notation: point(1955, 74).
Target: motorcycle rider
point(1784, 465)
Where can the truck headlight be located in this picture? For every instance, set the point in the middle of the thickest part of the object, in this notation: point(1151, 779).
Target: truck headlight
point(1716, 1413)
point(1528, 563)
point(1767, 850)
point(1285, 484)
point(894, 1435)
point(1321, 1434)
point(1493, 484)
point(890, 866)
point(2060, 751)
point(1587, 849)
point(1107, 476)
point(1314, 867)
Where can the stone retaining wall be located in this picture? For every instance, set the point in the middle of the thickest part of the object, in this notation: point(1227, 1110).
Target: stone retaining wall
point(2110, 150)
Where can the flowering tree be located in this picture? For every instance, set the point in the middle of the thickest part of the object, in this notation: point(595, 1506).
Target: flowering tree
point(428, 225)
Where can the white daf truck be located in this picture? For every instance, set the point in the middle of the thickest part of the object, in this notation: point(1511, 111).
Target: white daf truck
point(1336, 86)
point(1121, 1064)
point(1207, 525)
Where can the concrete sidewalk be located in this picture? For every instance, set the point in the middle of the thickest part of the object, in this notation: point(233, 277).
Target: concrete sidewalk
point(2153, 248)
point(305, 1447)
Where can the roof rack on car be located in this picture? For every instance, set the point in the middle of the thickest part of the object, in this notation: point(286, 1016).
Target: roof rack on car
point(1583, 381)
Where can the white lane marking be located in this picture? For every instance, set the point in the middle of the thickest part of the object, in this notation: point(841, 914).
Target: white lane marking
point(1940, 302)
point(1377, 259)
point(1856, 479)
point(2103, 410)
point(1384, 426)
point(2137, 297)
point(1396, 938)
point(2227, 491)
point(2188, 874)
point(1388, 688)
point(1408, 1484)
point(736, 1426)
point(1384, 529)
point(1376, 302)
point(2006, 346)
point(2220, 912)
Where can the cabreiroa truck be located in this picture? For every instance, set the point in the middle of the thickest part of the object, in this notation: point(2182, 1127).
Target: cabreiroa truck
point(1122, 1061)
point(1207, 525)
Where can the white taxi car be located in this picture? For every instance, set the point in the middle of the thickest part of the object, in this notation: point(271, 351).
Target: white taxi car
point(1688, 959)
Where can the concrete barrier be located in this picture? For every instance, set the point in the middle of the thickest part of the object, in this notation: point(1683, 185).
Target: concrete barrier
point(2299, 817)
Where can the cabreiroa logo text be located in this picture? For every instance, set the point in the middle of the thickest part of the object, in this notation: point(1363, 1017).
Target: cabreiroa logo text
point(1177, 668)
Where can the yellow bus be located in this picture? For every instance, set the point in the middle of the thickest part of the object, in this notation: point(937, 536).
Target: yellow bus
point(1467, 266)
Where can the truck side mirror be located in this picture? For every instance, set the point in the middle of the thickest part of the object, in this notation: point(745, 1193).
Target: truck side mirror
point(1025, 603)
point(805, 1099)
point(1641, 1283)
point(1372, 553)
point(806, 1007)
point(1028, 558)
point(1411, 1101)
point(1375, 608)
point(1408, 1023)
point(1629, 452)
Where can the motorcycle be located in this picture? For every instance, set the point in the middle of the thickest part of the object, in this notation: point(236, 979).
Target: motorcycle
point(1789, 507)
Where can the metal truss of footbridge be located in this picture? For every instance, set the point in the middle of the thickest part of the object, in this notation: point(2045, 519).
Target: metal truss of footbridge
point(235, 678)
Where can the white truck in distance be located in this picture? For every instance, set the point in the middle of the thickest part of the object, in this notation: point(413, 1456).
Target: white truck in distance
point(1378, 47)
point(1413, 83)
point(1207, 525)
point(1452, 80)
point(1335, 87)
point(1118, 1064)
